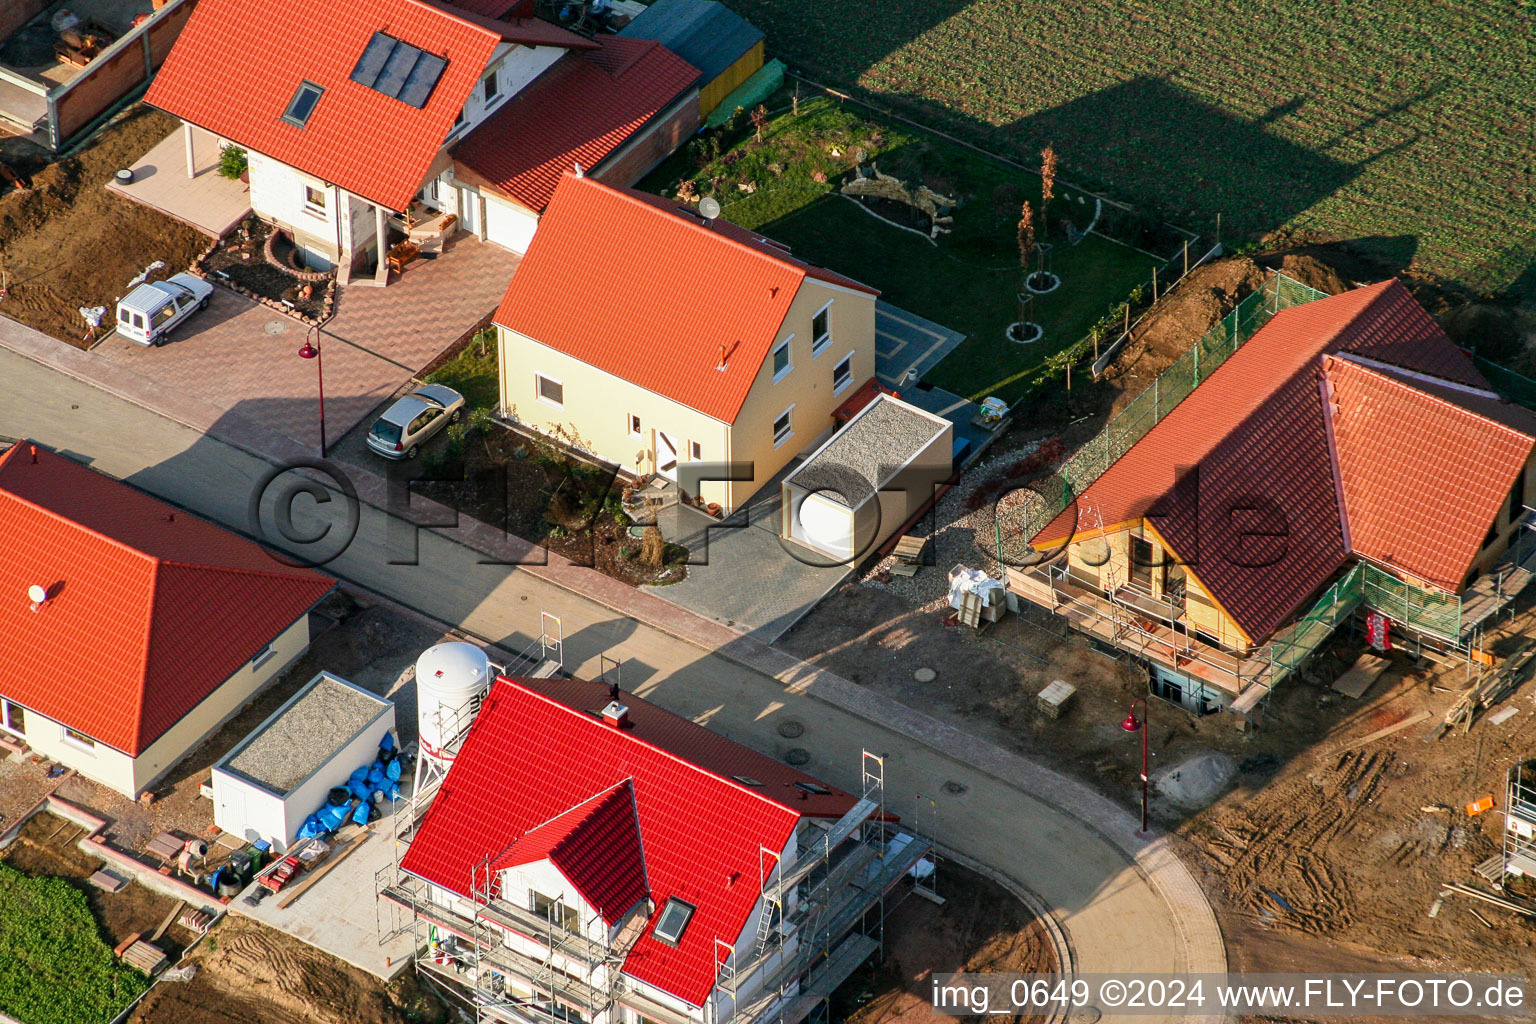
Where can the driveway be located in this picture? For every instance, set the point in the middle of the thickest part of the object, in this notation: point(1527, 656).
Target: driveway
point(241, 353)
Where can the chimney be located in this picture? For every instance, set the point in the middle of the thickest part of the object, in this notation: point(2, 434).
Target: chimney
point(616, 715)
point(613, 693)
point(718, 366)
point(34, 447)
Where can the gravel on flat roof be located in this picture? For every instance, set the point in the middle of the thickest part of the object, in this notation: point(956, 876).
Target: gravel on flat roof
point(300, 740)
point(864, 456)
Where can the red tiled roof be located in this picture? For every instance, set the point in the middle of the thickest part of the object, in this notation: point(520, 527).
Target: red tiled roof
point(700, 830)
point(1424, 474)
point(238, 63)
point(151, 608)
point(579, 111)
point(529, 31)
point(596, 846)
point(686, 291)
point(1254, 430)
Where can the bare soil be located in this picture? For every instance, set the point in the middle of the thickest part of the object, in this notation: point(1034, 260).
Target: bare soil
point(240, 257)
point(68, 243)
point(1344, 848)
point(250, 974)
point(981, 927)
point(47, 847)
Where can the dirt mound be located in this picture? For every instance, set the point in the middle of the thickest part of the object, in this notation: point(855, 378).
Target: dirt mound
point(1204, 297)
point(1311, 271)
point(250, 974)
point(68, 243)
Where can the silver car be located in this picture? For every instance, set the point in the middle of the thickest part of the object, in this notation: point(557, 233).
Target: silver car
point(415, 419)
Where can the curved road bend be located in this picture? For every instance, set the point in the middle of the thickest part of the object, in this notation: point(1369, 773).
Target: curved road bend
point(1126, 904)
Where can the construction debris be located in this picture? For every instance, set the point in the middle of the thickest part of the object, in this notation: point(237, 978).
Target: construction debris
point(1504, 904)
point(1478, 806)
point(1485, 693)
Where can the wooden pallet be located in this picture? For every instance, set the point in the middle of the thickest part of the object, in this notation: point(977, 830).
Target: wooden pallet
point(145, 956)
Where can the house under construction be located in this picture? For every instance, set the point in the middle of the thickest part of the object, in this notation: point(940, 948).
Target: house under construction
point(590, 857)
point(1310, 458)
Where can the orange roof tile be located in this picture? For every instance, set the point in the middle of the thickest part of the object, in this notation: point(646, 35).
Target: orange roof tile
point(686, 290)
point(238, 63)
point(150, 608)
point(1258, 522)
point(579, 111)
point(1424, 476)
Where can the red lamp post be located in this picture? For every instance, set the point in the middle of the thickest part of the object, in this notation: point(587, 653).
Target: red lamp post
point(1134, 724)
point(313, 352)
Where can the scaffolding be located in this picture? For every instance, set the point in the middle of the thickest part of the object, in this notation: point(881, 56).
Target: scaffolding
point(1520, 821)
point(822, 915)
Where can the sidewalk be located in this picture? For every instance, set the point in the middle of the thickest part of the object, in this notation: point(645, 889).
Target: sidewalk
point(1050, 833)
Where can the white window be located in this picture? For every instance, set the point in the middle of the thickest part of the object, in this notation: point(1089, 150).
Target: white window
point(781, 363)
point(783, 427)
point(314, 200)
point(554, 910)
point(263, 656)
point(821, 330)
point(634, 425)
point(672, 921)
point(549, 390)
point(842, 374)
point(13, 718)
point(491, 84)
point(79, 739)
point(695, 451)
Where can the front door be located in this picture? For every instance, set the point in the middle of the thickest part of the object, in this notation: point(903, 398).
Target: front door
point(666, 456)
point(469, 208)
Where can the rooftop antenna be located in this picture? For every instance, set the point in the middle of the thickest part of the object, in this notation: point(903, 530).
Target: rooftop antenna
point(38, 595)
point(709, 209)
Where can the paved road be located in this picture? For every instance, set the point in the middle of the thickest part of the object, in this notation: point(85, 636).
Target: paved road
point(1022, 821)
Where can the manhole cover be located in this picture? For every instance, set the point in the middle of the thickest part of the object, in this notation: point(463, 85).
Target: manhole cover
point(276, 327)
point(798, 756)
point(955, 788)
point(925, 675)
point(789, 729)
point(1087, 1015)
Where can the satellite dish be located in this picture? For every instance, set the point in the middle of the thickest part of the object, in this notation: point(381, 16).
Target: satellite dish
point(37, 594)
point(709, 208)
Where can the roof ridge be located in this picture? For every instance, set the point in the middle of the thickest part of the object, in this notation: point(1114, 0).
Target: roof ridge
point(584, 716)
point(454, 14)
point(525, 833)
point(680, 215)
point(146, 637)
point(1374, 372)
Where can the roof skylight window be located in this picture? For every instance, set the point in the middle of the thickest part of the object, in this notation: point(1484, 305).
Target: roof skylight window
point(303, 104)
point(674, 918)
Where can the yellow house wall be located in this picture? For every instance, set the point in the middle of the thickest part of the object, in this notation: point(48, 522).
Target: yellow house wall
point(130, 776)
point(808, 386)
point(597, 409)
point(219, 706)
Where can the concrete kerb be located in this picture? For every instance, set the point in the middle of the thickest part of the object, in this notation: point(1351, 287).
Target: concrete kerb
point(1155, 860)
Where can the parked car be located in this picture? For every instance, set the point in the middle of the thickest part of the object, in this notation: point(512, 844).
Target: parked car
point(149, 312)
point(414, 420)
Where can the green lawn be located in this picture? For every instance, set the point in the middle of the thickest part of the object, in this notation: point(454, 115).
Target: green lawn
point(1403, 128)
point(472, 373)
point(968, 281)
point(54, 966)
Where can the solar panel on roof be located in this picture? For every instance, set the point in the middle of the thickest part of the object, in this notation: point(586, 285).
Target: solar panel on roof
point(398, 70)
point(419, 83)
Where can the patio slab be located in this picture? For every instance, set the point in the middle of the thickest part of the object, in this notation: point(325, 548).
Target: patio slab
point(905, 342)
point(207, 202)
point(242, 357)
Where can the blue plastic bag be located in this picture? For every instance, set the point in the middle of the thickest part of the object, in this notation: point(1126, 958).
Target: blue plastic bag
point(388, 742)
point(392, 773)
point(361, 814)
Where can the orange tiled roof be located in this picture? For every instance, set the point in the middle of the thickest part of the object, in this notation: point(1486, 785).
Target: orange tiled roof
point(150, 608)
point(579, 111)
point(1256, 514)
point(677, 292)
point(238, 63)
point(1424, 472)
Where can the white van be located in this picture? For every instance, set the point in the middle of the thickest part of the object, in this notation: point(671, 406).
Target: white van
point(147, 314)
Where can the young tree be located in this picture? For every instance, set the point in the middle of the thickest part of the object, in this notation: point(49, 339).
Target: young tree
point(759, 119)
point(1026, 237)
point(1047, 182)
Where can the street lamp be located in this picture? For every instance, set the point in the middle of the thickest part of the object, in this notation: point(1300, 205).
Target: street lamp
point(313, 352)
point(1134, 724)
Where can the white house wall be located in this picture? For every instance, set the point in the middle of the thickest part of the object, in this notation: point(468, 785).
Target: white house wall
point(248, 811)
point(518, 65)
point(112, 768)
point(311, 794)
point(277, 195)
